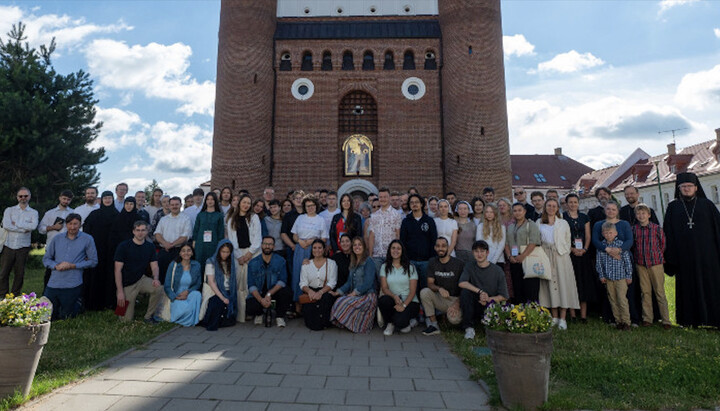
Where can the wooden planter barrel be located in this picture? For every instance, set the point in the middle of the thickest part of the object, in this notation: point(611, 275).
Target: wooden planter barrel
point(20, 351)
point(522, 367)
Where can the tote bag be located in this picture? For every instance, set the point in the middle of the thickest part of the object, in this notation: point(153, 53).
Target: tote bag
point(536, 264)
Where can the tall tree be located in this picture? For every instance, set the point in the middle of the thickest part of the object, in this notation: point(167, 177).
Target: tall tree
point(47, 121)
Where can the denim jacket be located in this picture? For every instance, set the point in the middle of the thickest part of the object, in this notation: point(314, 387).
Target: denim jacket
point(361, 279)
point(171, 290)
point(271, 275)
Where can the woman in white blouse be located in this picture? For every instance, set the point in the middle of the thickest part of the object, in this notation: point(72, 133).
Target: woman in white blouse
point(446, 226)
point(308, 227)
point(493, 232)
point(244, 232)
point(316, 280)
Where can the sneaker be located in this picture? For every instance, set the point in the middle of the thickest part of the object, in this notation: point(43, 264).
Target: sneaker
point(413, 323)
point(280, 322)
point(389, 329)
point(431, 330)
point(634, 325)
point(562, 325)
point(469, 333)
point(151, 321)
point(406, 329)
point(555, 322)
point(258, 320)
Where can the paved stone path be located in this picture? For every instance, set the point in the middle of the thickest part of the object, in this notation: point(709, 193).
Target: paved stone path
point(250, 367)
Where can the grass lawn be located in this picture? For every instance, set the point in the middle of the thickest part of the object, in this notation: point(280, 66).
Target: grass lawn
point(595, 366)
point(77, 345)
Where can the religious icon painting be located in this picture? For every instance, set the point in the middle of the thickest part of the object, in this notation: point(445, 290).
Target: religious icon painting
point(358, 155)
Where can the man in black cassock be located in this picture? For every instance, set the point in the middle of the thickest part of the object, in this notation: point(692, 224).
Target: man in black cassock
point(692, 255)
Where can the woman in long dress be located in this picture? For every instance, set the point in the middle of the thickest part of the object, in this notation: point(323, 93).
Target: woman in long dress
point(209, 229)
point(182, 286)
point(585, 276)
point(560, 292)
point(244, 232)
point(99, 282)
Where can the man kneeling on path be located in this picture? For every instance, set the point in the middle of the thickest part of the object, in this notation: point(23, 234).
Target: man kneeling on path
point(266, 274)
point(131, 260)
point(481, 282)
point(442, 290)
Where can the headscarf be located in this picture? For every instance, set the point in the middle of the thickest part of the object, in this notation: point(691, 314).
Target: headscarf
point(107, 213)
point(689, 178)
point(122, 227)
point(215, 261)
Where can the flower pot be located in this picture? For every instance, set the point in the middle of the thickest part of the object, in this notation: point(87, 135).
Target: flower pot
point(522, 366)
point(20, 350)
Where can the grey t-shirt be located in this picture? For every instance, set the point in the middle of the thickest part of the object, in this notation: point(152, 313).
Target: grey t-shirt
point(490, 279)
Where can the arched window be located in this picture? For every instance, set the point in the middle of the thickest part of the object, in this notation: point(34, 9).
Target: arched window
point(348, 61)
point(368, 61)
point(430, 60)
point(409, 60)
point(389, 61)
point(285, 61)
point(307, 62)
point(327, 61)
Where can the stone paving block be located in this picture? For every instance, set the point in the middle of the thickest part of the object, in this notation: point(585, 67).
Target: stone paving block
point(366, 352)
point(135, 388)
point(267, 380)
point(248, 367)
point(404, 353)
point(297, 369)
point(180, 390)
point(329, 370)
point(301, 351)
point(303, 381)
point(344, 408)
point(203, 355)
point(313, 359)
point(139, 403)
point(379, 408)
point(191, 338)
point(285, 343)
point(227, 392)
point(238, 347)
point(163, 344)
point(470, 385)
point(427, 362)
point(464, 401)
point(365, 371)
point(407, 372)
point(389, 361)
point(419, 346)
point(292, 407)
point(427, 384)
point(213, 377)
point(209, 365)
point(347, 360)
point(132, 374)
point(195, 346)
point(348, 383)
point(179, 404)
point(391, 384)
point(418, 399)
point(455, 373)
point(94, 386)
point(274, 394)
point(262, 350)
point(175, 376)
point(239, 356)
point(135, 362)
point(362, 397)
point(168, 354)
point(89, 402)
point(386, 345)
point(171, 363)
point(335, 352)
point(279, 358)
point(321, 396)
point(225, 340)
point(241, 406)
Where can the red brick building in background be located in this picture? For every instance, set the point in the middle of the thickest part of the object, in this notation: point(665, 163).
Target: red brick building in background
point(357, 95)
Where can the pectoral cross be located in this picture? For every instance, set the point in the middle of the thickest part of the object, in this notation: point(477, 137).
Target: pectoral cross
point(690, 224)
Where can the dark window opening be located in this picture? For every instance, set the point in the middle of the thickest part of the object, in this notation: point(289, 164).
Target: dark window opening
point(302, 90)
point(348, 63)
point(368, 61)
point(307, 62)
point(389, 61)
point(285, 62)
point(430, 61)
point(413, 89)
point(409, 61)
point(358, 113)
point(327, 62)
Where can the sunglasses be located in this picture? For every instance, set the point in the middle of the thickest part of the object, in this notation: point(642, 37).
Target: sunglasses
point(23, 196)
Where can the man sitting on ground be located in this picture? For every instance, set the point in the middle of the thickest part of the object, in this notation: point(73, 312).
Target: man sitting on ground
point(442, 290)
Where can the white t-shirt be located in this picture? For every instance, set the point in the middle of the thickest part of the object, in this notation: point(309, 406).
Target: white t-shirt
point(310, 227)
point(85, 210)
point(445, 228)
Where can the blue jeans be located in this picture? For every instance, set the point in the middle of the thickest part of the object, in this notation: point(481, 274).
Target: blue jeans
point(421, 267)
point(66, 302)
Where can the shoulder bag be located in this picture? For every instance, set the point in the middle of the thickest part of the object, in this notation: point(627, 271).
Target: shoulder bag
point(537, 263)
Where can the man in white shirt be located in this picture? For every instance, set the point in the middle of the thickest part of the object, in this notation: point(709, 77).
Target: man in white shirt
point(90, 204)
point(171, 233)
point(120, 192)
point(192, 211)
point(19, 221)
point(384, 226)
point(53, 222)
point(331, 210)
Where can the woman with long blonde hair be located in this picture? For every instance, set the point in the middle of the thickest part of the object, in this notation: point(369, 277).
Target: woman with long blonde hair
point(493, 232)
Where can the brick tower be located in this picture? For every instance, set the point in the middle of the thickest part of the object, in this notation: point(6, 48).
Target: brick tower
point(477, 151)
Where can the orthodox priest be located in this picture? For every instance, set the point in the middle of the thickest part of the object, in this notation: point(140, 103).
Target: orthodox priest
point(692, 255)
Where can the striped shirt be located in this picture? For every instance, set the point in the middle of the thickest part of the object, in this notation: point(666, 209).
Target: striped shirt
point(649, 244)
point(610, 268)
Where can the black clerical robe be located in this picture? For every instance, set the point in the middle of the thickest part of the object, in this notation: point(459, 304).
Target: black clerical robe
point(693, 256)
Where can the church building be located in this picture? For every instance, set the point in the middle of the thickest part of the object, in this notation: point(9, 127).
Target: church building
point(361, 94)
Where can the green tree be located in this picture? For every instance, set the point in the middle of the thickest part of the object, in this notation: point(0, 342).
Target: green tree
point(149, 190)
point(47, 121)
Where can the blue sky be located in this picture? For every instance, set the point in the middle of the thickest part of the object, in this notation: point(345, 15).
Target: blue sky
point(597, 78)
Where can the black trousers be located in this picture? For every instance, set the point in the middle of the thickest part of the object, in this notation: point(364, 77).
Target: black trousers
point(317, 314)
point(283, 300)
point(471, 307)
point(216, 315)
point(525, 289)
point(12, 260)
point(386, 304)
point(164, 260)
point(67, 302)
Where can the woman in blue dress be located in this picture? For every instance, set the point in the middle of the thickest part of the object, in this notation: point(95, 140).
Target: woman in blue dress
point(182, 286)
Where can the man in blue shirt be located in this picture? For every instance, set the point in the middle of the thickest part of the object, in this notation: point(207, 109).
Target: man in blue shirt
point(266, 282)
point(67, 255)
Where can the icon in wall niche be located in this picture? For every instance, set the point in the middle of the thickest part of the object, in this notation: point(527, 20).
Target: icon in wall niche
point(358, 155)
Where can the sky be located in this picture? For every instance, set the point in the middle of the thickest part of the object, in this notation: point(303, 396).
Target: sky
point(597, 78)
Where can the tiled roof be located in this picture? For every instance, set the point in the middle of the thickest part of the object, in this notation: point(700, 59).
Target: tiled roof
point(357, 29)
point(540, 170)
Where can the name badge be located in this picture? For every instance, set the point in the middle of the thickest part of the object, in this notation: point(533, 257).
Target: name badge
point(515, 251)
point(579, 243)
point(207, 236)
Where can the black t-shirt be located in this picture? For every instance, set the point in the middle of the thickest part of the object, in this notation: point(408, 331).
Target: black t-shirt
point(135, 259)
point(446, 275)
point(343, 266)
point(288, 222)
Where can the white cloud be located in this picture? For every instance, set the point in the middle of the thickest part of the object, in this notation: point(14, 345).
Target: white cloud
point(182, 186)
point(700, 90)
point(570, 62)
point(40, 29)
point(666, 5)
point(517, 45)
point(120, 128)
point(185, 148)
point(717, 32)
point(157, 70)
point(602, 160)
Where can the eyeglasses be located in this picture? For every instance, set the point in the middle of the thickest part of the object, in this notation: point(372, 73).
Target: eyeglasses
point(23, 196)
point(519, 193)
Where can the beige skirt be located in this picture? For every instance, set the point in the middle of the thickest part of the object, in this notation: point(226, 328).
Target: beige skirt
point(560, 291)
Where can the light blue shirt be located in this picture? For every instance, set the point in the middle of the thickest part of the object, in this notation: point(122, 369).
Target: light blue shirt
point(80, 251)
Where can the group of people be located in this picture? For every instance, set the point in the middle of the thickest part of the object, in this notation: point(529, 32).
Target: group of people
point(395, 259)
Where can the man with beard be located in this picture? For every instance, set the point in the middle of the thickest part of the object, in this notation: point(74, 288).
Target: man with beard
point(90, 204)
point(603, 195)
point(19, 221)
point(627, 212)
point(442, 292)
point(53, 222)
point(266, 282)
point(692, 255)
point(172, 232)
